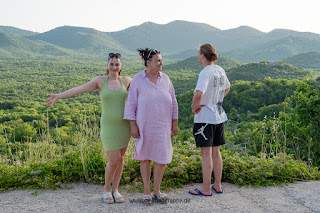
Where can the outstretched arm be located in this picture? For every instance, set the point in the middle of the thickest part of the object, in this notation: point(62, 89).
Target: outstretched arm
point(87, 87)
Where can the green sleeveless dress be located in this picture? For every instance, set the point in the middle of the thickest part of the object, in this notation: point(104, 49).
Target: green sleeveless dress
point(115, 131)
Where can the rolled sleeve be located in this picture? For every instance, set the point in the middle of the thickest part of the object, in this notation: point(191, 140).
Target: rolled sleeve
point(174, 102)
point(130, 109)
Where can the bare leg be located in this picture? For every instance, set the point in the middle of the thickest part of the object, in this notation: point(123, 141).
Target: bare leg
point(206, 170)
point(117, 175)
point(114, 157)
point(217, 167)
point(145, 169)
point(158, 172)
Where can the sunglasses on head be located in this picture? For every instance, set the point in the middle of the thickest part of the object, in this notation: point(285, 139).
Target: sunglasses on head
point(154, 51)
point(114, 55)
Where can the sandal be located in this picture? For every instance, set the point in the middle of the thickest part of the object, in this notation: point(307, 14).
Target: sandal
point(216, 190)
point(118, 198)
point(107, 198)
point(161, 198)
point(147, 200)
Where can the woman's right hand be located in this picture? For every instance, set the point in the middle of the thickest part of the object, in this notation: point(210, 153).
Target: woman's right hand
point(53, 98)
point(134, 129)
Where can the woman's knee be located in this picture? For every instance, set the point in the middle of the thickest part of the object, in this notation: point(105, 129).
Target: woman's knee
point(115, 160)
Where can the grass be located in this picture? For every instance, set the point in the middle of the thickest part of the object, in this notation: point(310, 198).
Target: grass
point(49, 164)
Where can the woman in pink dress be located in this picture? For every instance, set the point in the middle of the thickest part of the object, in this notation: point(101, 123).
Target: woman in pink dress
point(152, 110)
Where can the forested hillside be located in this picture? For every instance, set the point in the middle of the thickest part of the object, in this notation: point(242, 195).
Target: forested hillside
point(24, 86)
point(16, 31)
point(16, 47)
point(273, 107)
point(275, 50)
point(307, 60)
point(193, 64)
point(275, 70)
point(84, 40)
point(184, 74)
point(176, 39)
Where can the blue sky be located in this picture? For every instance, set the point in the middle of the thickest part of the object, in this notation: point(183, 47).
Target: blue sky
point(107, 16)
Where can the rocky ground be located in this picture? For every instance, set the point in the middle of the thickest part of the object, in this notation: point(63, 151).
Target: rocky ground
point(82, 197)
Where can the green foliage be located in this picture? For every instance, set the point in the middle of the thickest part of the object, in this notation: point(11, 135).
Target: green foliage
point(16, 31)
point(264, 69)
point(176, 40)
point(280, 46)
point(255, 171)
point(48, 146)
point(48, 163)
point(24, 86)
point(83, 40)
point(304, 122)
point(184, 74)
point(285, 133)
point(244, 99)
point(193, 64)
point(305, 60)
point(86, 162)
point(270, 110)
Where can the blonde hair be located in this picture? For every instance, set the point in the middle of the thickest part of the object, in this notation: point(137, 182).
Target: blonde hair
point(209, 52)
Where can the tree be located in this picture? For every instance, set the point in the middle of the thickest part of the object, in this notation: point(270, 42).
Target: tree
point(305, 121)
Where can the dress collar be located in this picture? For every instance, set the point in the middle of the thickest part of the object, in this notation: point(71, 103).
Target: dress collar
point(145, 75)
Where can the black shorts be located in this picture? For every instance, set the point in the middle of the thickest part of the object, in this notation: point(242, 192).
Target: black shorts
point(207, 135)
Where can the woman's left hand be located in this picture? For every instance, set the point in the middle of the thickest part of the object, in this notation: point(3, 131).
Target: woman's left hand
point(174, 130)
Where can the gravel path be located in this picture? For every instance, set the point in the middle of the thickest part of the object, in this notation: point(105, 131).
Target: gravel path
point(297, 197)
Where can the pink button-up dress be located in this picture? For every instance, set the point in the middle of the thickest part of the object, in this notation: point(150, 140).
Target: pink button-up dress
point(152, 107)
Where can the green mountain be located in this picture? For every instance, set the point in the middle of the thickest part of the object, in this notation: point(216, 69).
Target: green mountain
point(180, 39)
point(193, 64)
point(12, 46)
point(173, 37)
point(84, 40)
point(274, 70)
point(181, 55)
point(277, 34)
point(16, 31)
point(305, 60)
point(242, 37)
point(276, 49)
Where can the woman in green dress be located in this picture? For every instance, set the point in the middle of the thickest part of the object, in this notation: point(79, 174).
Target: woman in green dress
point(115, 132)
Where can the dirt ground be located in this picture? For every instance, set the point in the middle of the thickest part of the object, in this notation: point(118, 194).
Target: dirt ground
point(82, 197)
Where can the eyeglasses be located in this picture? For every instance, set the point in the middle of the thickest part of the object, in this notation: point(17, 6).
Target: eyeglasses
point(154, 51)
point(114, 55)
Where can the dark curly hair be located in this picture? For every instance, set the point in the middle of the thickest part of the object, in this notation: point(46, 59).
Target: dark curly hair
point(147, 54)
